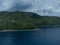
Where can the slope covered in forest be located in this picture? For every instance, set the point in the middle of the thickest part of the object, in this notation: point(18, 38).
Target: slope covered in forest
point(25, 20)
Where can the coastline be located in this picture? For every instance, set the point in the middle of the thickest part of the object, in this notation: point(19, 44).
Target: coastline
point(32, 29)
point(19, 30)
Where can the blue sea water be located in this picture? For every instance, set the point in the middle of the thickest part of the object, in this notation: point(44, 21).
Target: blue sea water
point(43, 36)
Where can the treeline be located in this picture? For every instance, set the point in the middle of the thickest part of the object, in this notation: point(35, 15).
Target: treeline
point(25, 20)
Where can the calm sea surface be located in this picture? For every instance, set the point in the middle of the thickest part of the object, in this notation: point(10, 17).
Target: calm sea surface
point(43, 36)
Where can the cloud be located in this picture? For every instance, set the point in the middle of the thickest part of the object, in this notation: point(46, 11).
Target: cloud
point(30, 5)
point(15, 4)
point(5, 4)
point(54, 7)
point(26, 5)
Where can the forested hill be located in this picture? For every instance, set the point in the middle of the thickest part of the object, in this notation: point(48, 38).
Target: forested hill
point(25, 20)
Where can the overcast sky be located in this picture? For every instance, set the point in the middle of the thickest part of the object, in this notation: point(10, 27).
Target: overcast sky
point(36, 6)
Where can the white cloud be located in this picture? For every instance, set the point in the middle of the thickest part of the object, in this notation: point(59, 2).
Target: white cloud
point(47, 7)
point(54, 7)
point(34, 5)
point(6, 4)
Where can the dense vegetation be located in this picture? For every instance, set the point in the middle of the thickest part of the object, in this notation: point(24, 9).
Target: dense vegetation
point(25, 20)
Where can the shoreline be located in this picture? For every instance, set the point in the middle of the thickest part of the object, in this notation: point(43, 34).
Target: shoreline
point(18, 30)
point(35, 29)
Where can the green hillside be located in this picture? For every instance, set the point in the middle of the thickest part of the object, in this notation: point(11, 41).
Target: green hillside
point(25, 20)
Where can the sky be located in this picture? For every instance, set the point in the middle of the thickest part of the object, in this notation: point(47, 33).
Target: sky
point(41, 7)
